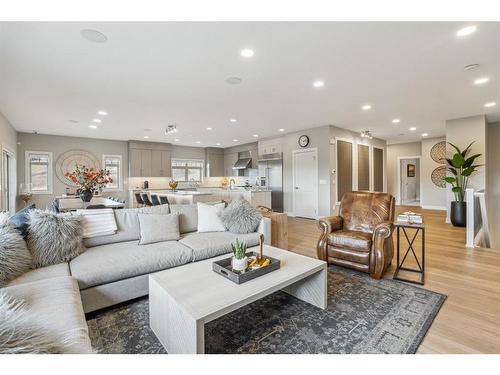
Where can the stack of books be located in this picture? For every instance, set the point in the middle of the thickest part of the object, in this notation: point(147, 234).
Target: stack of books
point(410, 218)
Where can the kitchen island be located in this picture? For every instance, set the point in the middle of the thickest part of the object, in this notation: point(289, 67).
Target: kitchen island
point(207, 194)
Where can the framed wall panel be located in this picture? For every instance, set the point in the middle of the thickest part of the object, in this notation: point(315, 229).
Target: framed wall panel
point(378, 169)
point(344, 168)
point(363, 167)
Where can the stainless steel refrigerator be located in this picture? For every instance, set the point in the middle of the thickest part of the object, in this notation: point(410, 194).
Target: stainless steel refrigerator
point(271, 174)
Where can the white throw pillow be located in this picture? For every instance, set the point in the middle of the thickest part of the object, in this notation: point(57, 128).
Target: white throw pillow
point(208, 217)
point(158, 228)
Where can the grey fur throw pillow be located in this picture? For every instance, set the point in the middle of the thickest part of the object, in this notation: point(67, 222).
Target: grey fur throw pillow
point(240, 217)
point(19, 332)
point(15, 259)
point(54, 238)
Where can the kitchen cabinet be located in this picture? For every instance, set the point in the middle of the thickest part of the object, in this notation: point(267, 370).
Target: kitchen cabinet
point(160, 163)
point(270, 146)
point(148, 159)
point(215, 162)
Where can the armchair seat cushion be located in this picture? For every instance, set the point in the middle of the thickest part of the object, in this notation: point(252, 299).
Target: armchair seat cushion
point(351, 239)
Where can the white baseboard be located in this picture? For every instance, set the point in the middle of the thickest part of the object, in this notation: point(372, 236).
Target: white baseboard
point(441, 208)
point(291, 214)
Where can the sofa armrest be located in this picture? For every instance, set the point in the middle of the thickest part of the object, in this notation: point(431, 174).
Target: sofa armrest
point(330, 224)
point(382, 231)
point(265, 229)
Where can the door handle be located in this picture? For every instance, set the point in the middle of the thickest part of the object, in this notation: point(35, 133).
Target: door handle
point(296, 188)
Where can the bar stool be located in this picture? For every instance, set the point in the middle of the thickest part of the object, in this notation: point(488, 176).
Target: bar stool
point(139, 200)
point(145, 199)
point(155, 200)
point(163, 199)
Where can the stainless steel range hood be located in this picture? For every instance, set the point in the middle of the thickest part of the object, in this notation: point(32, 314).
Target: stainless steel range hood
point(243, 163)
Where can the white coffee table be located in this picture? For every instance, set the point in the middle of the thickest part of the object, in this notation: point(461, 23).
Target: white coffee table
point(183, 299)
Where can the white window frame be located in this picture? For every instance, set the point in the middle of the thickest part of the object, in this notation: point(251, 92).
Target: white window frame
point(188, 160)
point(120, 172)
point(50, 175)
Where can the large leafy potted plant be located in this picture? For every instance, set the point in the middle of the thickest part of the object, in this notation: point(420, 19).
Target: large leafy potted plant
point(461, 167)
point(89, 180)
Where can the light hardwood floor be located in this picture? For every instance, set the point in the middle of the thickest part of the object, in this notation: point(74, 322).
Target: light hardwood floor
point(469, 321)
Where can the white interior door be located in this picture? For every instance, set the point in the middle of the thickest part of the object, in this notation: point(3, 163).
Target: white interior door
point(305, 187)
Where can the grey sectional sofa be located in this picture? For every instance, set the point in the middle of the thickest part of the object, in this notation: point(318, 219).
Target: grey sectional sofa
point(115, 269)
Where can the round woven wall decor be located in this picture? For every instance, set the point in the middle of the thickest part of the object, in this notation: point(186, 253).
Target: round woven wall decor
point(67, 161)
point(438, 152)
point(438, 175)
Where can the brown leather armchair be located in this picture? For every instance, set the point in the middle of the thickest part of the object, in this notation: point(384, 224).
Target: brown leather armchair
point(361, 236)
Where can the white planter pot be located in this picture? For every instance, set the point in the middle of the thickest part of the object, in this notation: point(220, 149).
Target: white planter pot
point(240, 264)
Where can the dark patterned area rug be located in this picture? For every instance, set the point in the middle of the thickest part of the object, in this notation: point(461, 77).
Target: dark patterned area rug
point(363, 316)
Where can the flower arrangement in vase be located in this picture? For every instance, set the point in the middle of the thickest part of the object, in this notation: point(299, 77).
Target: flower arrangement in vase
point(89, 180)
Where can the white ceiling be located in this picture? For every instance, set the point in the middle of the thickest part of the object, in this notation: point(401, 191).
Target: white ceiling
point(149, 75)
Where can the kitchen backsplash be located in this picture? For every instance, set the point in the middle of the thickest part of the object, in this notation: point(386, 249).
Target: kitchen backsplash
point(162, 182)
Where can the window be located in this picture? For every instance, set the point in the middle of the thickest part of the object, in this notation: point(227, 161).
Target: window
point(113, 163)
point(187, 170)
point(39, 171)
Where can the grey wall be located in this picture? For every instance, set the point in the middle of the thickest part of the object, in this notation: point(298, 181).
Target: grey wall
point(8, 141)
point(433, 197)
point(493, 182)
point(58, 145)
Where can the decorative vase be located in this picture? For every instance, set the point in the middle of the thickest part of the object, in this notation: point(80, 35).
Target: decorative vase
point(86, 195)
point(458, 214)
point(240, 264)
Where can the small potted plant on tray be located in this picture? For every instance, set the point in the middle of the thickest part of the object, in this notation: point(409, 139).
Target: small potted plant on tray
point(240, 259)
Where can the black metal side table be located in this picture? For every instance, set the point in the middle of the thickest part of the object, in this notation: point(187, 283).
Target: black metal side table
point(419, 228)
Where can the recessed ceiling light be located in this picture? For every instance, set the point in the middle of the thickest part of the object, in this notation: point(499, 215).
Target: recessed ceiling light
point(217, 144)
point(198, 142)
point(209, 128)
point(93, 126)
point(366, 107)
point(396, 121)
point(413, 128)
point(318, 84)
point(255, 136)
point(233, 120)
point(282, 130)
point(235, 140)
point(480, 81)
point(466, 30)
point(490, 104)
point(97, 120)
point(425, 134)
point(146, 137)
point(234, 80)
point(94, 36)
point(247, 52)
point(176, 140)
point(102, 113)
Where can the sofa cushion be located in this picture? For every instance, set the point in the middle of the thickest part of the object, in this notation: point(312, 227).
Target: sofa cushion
point(107, 263)
point(159, 228)
point(210, 244)
point(42, 273)
point(15, 258)
point(240, 216)
point(20, 220)
point(208, 217)
point(188, 216)
point(54, 238)
point(351, 239)
point(57, 306)
point(127, 223)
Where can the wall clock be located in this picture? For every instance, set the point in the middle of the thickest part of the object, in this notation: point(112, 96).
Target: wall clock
point(303, 141)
